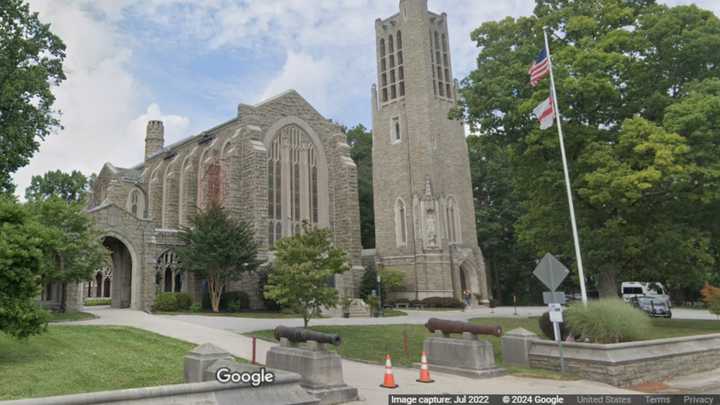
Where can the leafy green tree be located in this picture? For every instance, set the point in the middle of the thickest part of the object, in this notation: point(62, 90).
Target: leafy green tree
point(393, 280)
point(30, 63)
point(360, 141)
point(72, 245)
point(21, 271)
point(639, 135)
point(497, 209)
point(71, 187)
point(305, 264)
point(218, 248)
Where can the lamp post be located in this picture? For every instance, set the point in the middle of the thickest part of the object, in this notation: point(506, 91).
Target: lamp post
point(380, 300)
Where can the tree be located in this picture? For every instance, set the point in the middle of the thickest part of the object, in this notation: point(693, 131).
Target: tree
point(360, 141)
point(218, 248)
point(640, 136)
point(21, 271)
point(711, 298)
point(71, 187)
point(72, 245)
point(30, 63)
point(497, 210)
point(305, 265)
point(393, 280)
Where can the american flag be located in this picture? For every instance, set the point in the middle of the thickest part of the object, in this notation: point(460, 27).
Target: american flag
point(539, 69)
point(545, 113)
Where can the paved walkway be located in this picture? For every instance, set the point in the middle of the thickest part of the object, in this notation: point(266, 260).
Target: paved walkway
point(366, 377)
point(244, 325)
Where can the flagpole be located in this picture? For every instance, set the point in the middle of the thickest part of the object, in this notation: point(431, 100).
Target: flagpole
point(576, 239)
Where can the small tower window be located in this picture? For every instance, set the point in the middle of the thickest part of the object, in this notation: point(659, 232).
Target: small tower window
point(400, 223)
point(382, 47)
point(399, 40)
point(395, 130)
point(391, 44)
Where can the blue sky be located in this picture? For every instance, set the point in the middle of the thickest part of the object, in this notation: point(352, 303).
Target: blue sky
point(190, 62)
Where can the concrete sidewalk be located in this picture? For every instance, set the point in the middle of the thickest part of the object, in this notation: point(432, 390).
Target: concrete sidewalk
point(366, 377)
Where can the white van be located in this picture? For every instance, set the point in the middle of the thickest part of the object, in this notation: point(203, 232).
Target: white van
point(637, 288)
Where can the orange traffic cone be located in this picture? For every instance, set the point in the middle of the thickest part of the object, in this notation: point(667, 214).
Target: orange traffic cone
point(389, 381)
point(424, 371)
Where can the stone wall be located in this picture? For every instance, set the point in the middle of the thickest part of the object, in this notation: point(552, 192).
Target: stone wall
point(626, 364)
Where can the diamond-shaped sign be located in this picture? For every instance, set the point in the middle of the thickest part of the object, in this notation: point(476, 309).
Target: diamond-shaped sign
point(551, 272)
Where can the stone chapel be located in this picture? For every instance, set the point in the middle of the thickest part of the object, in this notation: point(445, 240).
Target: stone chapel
point(279, 163)
point(274, 165)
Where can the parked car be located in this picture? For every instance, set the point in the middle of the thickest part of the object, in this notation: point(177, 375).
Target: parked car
point(653, 306)
point(632, 289)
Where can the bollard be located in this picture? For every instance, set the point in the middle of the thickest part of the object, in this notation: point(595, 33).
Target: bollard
point(254, 345)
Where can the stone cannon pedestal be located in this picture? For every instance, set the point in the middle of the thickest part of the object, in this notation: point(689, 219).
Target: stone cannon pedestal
point(320, 369)
point(468, 356)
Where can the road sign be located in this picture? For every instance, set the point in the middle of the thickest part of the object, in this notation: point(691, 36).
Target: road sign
point(556, 315)
point(554, 297)
point(551, 272)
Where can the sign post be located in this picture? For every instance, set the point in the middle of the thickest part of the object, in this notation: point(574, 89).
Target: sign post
point(552, 273)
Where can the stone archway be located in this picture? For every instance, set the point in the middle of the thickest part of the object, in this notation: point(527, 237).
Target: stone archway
point(121, 292)
point(469, 279)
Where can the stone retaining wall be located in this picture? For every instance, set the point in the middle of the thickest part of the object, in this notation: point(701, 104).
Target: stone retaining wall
point(626, 364)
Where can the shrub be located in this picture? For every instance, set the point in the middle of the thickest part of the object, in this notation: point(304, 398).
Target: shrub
point(91, 302)
point(368, 283)
point(442, 302)
point(184, 301)
point(234, 301)
point(195, 308)
point(374, 303)
point(711, 298)
point(165, 302)
point(547, 327)
point(269, 304)
point(607, 321)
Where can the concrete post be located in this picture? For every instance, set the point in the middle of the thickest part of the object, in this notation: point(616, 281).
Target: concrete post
point(516, 347)
point(200, 358)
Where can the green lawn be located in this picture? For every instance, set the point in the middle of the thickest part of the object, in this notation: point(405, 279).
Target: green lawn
point(73, 359)
point(390, 312)
point(70, 316)
point(371, 343)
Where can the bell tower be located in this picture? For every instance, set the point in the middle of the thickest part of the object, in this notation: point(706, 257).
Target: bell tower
point(424, 213)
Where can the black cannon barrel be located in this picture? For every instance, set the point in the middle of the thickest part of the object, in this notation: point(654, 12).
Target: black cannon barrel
point(298, 335)
point(449, 327)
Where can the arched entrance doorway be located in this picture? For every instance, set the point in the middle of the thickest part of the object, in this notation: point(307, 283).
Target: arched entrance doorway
point(122, 265)
point(469, 280)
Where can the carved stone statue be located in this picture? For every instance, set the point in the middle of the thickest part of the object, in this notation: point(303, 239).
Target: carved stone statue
point(430, 229)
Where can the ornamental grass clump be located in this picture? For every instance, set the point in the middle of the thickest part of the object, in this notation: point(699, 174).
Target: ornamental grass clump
point(607, 321)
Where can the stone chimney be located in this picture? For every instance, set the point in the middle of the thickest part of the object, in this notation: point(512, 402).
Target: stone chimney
point(154, 138)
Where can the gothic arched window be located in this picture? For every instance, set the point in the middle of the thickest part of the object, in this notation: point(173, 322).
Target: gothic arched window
point(453, 221)
point(292, 183)
point(168, 274)
point(136, 203)
point(400, 223)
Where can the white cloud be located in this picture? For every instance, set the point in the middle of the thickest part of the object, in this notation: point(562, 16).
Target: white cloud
point(98, 100)
point(307, 75)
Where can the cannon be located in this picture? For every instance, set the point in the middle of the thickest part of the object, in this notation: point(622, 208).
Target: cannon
point(448, 327)
point(299, 335)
